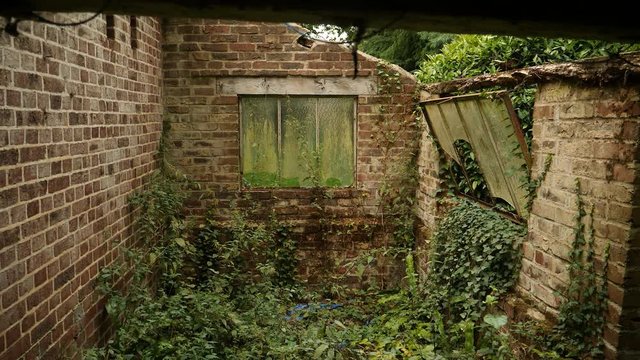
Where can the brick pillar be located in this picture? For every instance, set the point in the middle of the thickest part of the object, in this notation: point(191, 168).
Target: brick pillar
point(592, 134)
point(427, 193)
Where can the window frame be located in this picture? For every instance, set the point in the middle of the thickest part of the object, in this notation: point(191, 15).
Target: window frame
point(280, 98)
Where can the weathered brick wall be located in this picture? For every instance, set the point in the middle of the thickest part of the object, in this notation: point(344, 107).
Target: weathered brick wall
point(592, 134)
point(207, 63)
point(427, 194)
point(80, 121)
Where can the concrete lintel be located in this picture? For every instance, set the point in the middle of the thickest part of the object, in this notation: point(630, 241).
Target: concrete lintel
point(296, 86)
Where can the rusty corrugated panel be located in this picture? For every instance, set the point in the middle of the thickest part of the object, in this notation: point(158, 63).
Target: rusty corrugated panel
point(489, 124)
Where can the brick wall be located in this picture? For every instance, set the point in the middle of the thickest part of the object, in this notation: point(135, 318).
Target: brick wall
point(207, 63)
point(427, 194)
point(592, 134)
point(79, 123)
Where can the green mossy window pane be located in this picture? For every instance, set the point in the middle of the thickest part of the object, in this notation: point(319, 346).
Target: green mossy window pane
point(259, 141)
point(336, 148)
point(298, 158)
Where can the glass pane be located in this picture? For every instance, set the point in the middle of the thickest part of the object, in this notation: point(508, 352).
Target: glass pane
point(259, 141)
point(336, 119)
point(299, 166)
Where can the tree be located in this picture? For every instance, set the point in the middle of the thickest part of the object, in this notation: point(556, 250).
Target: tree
point(403, 47)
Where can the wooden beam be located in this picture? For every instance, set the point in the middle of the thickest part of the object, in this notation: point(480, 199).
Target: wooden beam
point(296, 86)
point(594, 22)
point(599, 71)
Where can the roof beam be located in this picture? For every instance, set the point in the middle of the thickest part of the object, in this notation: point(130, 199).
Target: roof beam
point(590, 22)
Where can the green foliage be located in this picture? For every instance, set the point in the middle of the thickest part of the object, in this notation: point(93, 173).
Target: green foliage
point(578, 332)
point(230, 297)
point(466, 179)
point(397, 190)
point(404, 47)
point(451, 313)
point(475, 254)
point(472, 55)
point(532, 185)
point(161, 228)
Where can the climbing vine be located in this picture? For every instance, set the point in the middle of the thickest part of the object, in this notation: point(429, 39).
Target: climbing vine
point(396, 136)
point(532, 185)
point(396, 192)
point(581, 320)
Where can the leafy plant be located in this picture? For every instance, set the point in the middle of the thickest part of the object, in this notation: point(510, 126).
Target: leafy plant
point(472, 55)
point(475, 253)
point(235, 297)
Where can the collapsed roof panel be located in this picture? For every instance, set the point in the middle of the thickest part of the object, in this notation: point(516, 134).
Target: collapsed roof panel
point(489, 124)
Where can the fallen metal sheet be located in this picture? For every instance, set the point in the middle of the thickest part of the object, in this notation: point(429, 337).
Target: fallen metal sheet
point(489, 124)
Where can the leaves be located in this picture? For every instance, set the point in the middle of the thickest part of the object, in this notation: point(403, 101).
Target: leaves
point(472, 55)
point(496, 321)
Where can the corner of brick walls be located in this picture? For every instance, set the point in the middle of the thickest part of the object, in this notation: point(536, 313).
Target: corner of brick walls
point(592, 134)
point(80, 121)
point(205, 126)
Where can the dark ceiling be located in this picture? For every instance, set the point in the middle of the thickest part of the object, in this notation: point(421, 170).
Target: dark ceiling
point(604, 21)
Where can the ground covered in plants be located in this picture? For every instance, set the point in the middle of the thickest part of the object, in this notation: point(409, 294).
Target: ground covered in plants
point(208, 292)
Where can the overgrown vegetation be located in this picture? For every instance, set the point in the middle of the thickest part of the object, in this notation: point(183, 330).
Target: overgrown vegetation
point(471, 55)
point(405, 48)
point(396, 192)
point(230, 292)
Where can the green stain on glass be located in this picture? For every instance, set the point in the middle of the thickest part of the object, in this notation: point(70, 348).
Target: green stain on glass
point(335, 120)
point(315, 146)
point(298, 139)
point(259, 140)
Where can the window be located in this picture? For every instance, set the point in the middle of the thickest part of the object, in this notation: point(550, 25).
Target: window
point(297, 141)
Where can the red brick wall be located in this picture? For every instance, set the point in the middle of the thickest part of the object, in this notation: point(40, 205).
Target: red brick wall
point(200, 54)
point(428, 192)
point(592, 134)
point(79, 123)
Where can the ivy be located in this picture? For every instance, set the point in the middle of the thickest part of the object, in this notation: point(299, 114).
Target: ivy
point(232, 291)
point(532, 185)
point(580, 326)
point(472, 55)
point(396, 192)
point(475, 253)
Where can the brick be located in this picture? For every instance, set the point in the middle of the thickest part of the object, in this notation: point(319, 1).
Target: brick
point(53, 85)
point(13, 98)
point(8, 197)
point(8, 157)
point(30, 118)
point(28, 80)
point(242, 47)
point(31, 154)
